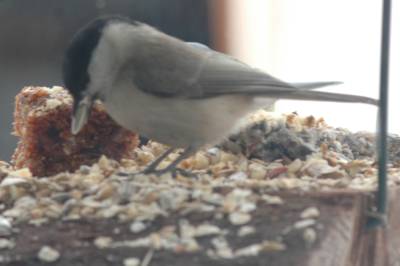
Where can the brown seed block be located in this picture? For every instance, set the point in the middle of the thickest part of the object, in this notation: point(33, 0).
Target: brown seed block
point(42, 121)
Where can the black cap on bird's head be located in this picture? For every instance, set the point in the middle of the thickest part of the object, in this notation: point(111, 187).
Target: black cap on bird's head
point(76, 63)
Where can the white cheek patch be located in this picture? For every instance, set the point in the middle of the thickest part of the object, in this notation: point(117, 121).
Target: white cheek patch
point(99, 67)
point(103, 66)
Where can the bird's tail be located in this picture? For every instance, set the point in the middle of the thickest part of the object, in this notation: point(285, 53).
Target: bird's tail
point(305, 93)
point(314, 85)
point(328, 96)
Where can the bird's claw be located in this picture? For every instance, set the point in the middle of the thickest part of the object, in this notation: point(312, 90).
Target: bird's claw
point(174, 172)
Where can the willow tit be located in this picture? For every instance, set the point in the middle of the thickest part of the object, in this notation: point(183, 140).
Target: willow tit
point(181, 94)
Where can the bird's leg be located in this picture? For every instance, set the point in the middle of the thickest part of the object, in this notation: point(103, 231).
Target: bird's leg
point(172, 167)
point(153, 166)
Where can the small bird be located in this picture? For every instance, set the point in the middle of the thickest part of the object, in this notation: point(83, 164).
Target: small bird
point(184, 95)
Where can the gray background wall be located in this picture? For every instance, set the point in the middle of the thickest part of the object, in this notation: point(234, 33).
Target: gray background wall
point(34, 34)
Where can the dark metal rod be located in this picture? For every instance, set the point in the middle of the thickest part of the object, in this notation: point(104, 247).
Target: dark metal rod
point(383, 110)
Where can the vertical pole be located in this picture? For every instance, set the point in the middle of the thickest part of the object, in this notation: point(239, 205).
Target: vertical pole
point(381, 197)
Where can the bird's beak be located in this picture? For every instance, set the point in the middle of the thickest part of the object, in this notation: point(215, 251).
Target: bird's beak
point(80, 114)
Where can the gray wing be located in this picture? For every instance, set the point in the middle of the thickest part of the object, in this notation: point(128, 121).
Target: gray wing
point(299, 85)
point(190, 70)
point(168, 67)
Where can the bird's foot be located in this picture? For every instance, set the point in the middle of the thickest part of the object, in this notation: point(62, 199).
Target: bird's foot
point(172, 167)
point(150, 171)
point(174, 172)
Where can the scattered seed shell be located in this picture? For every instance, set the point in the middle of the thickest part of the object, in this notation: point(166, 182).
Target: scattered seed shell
point(5, 226)
point(131, 262)
point(6, 243)
point(309, 236)
point(102, 242)
point(310, 212)
point(239, 218)
point(246, 230)
point(304, 223)
point(137, 227)
point(48, 254)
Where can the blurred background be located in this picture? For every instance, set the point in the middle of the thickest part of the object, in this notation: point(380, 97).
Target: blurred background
point(308, 40)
